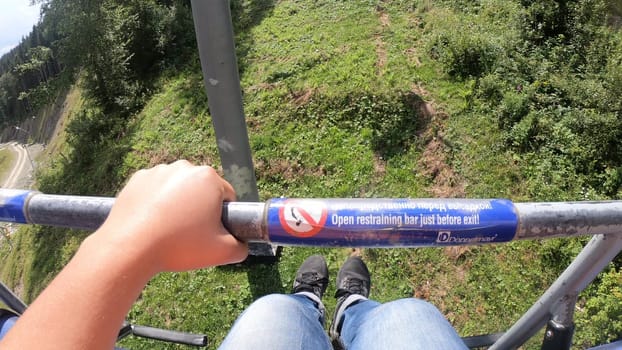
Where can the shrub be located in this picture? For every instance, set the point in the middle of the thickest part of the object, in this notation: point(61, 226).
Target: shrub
point(465, 52)
point(491, 87)
point(545, 19)
point(513, 108)
point(599, 321)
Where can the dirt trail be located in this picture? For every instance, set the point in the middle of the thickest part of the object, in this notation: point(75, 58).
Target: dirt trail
point(381, 50)
point(434, 160)
point(446, 183)
point(18, 168)
point(434, 163)
point(20, 175)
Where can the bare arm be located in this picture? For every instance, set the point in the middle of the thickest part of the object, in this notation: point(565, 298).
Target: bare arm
point(166, 219)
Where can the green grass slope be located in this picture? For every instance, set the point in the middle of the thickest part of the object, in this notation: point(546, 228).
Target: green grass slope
point(343, 99)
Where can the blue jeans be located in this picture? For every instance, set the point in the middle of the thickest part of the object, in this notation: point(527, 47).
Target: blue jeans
point(296, 322)
point(7, 320)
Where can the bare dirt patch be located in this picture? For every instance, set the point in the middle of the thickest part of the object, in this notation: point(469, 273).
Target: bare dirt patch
point(446, 183)
point(262, 86)
point(380, 169)
point(419, 90)
point(356, 252)
point(19, 288)
point(381, 53)
point(457, 252)
point(436, 290)
point(302, 97)
point(384, 19)
point(381, 50)
point(167, 155)
point(413, 56)
point(285, 169)
point(380, 166)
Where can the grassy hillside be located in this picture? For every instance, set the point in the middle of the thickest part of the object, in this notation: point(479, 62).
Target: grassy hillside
point(343, 99)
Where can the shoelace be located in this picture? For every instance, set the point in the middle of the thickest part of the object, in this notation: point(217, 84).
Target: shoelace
point(355, 285)
point(351, 286)
point(310, 278)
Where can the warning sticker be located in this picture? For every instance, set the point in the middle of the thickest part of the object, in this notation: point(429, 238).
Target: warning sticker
point(302, 220)
point(390, 222)
point(12, 205)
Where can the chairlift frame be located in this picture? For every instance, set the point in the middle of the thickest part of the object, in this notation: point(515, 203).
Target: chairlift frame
point(248, 221)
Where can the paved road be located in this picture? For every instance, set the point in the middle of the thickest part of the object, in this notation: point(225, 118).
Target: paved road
point(20, 166)
point(21, 175)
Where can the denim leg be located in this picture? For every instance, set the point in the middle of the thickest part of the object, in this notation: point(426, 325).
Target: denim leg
point(280, 321)
point(401, 324)
point(7, 320)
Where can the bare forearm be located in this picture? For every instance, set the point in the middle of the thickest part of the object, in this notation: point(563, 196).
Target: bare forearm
point(84, 306)
point(166, 218)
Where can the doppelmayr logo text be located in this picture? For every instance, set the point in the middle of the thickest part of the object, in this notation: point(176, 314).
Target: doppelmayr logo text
point(446, 237)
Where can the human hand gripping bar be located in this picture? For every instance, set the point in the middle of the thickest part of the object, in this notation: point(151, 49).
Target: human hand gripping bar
point(353, 222)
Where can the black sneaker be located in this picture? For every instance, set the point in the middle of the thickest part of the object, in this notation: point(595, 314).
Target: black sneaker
point(312, 276)
point(353, 278)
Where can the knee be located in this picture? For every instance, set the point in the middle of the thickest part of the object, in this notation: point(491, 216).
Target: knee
point(265, 312)
point(273, 303)
point(410, 307)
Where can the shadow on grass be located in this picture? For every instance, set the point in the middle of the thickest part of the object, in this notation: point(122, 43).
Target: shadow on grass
point(265, 279)
point(263, 276)
point(396, 119)
point(247, 15)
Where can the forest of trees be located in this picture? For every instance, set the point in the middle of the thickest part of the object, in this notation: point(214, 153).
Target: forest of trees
point(117, 48)
point(25, 76)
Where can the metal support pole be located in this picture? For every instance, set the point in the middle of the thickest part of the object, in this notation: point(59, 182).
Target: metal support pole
point(341, 221)
point(565, 219)
point(32, 162)
point(11, 300)
point(69, 211)
point(599, 251)
point(214, 32)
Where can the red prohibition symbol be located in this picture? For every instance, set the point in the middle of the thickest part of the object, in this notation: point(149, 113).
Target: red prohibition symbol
point(303, 219)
